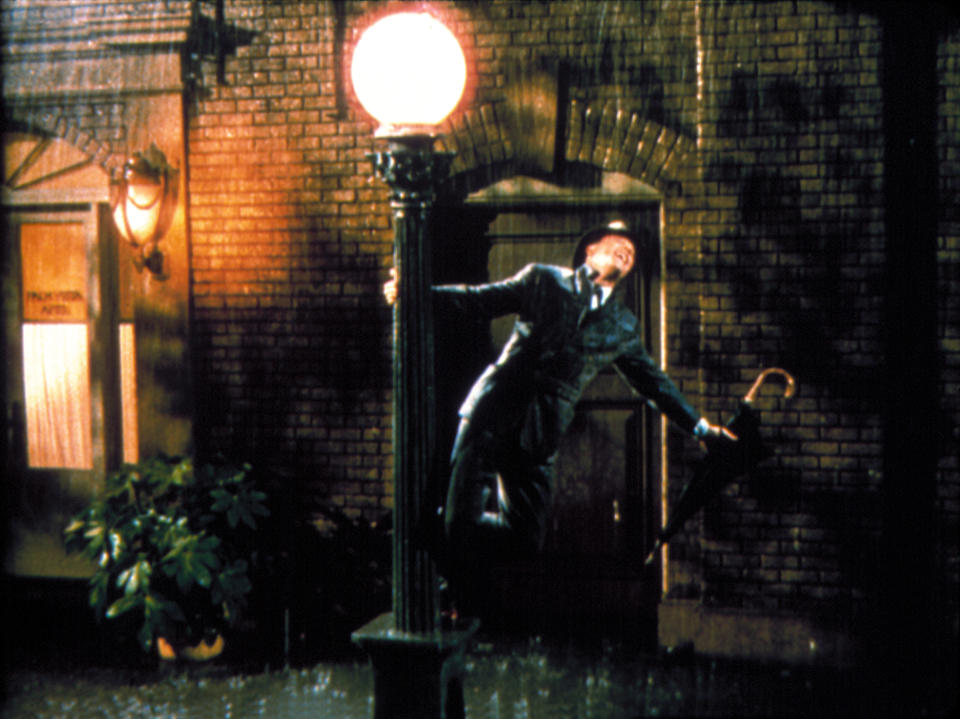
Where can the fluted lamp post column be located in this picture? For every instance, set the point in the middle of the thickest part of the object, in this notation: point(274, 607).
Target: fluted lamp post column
point(408, 72)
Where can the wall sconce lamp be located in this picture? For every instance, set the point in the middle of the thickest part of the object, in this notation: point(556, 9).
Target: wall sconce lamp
point(143, 201)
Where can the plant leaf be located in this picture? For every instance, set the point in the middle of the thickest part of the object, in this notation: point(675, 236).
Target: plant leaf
point(123, 604)
point(202, 575)
point(145, 635)
point(184, 578)
point(98, 590)
point(116, 544)
point(222, 499)
point(135, 577)
point(246, 516)
point(234, 580)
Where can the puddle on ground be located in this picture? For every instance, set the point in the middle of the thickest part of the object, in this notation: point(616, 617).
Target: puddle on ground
point(530, 681)
point(336, 690)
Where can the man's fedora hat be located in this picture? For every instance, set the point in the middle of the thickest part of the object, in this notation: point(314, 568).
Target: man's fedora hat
point(617, 227)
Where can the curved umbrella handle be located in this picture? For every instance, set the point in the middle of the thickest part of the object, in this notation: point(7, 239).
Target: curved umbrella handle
point(788, 391)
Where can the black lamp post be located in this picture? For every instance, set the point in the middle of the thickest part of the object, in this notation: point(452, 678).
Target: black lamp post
point(408, 72)
point(411, 168)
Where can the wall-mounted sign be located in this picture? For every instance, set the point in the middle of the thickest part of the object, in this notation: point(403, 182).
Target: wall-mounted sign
point(54, 268)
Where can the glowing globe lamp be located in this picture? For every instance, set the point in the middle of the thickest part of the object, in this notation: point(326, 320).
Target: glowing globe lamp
point(409, 72)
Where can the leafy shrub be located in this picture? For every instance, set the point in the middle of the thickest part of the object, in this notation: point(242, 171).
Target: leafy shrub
point(173, 546)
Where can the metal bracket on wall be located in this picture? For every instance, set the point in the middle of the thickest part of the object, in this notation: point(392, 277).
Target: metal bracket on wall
point(210, 37)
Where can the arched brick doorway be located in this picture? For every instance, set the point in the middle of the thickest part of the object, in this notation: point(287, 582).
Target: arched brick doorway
point(607, 498)
point(527, 181)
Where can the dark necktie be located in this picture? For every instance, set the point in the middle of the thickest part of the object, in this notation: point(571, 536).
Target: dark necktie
point(590, 294)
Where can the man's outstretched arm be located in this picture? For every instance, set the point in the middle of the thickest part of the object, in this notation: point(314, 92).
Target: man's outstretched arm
point(653, 383)
point(492, 299)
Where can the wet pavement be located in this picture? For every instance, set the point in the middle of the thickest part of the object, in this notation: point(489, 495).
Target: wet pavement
point(516, 679)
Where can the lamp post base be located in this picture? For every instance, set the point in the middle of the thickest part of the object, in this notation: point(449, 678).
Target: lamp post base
point(416, 675)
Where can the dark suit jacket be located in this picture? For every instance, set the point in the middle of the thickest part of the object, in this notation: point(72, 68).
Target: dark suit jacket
point(557, 347)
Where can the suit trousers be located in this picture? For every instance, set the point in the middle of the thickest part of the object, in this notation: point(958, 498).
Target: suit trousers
point(481, 461)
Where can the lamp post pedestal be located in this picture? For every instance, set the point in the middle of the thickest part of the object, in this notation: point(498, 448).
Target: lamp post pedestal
point(416, 675)
point(418, 666)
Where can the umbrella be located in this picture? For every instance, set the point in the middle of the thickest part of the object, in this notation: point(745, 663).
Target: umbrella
point(725, 460)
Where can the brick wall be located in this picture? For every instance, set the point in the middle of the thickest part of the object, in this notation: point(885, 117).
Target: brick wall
point(948, 293)
point(289, 236)
point(761, 126)
point(96, 120)
point(97, 129)
point(792, 257)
